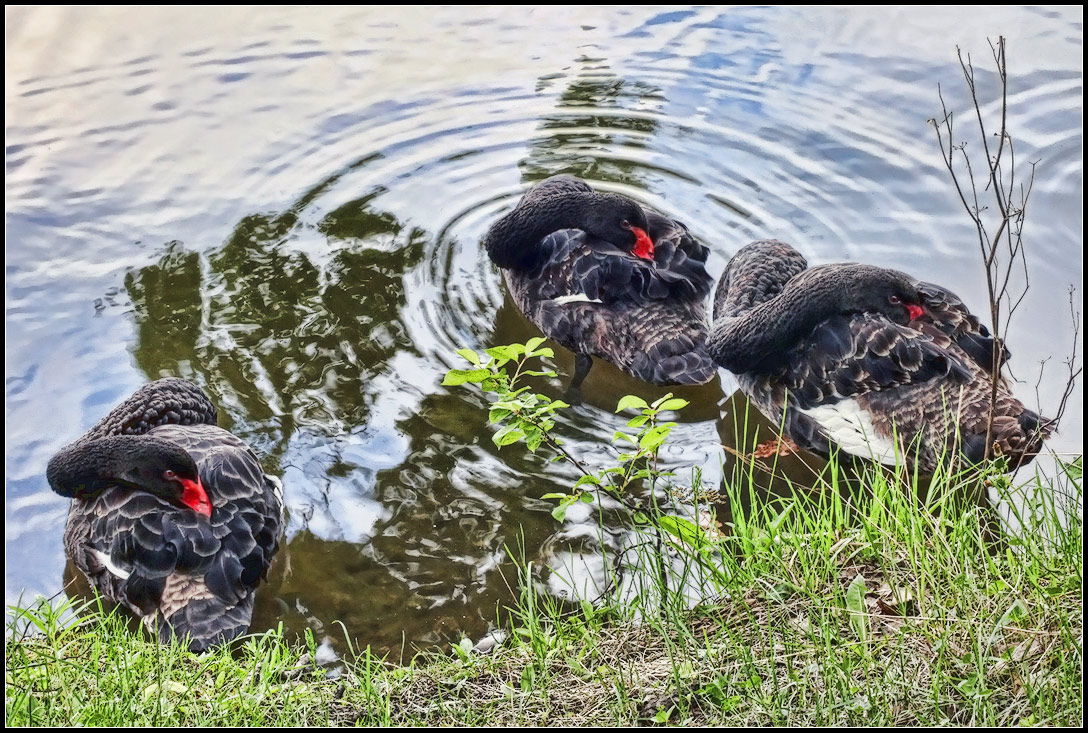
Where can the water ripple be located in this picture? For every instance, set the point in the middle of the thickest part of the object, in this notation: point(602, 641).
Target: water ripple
point(293, 204)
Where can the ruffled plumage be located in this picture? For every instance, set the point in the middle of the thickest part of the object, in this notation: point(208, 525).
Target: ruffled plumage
point(585, 289)
point(186, 575)
point(826, 354)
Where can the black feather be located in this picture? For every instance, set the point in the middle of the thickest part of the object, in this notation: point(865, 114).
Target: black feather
point(564, 239)
point(169, 550)
point(800, 338)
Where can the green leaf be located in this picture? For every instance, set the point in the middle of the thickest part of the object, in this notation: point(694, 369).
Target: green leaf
point(560, 512)
point(501, 354)
point(673, 404)
point(532, 344)
point(533, 438)
point(640, 518)
point(1016, 612)
point(469, 355)
point(974, 687)
point(555, 496)
point(631, 401)
point(544, 409)
point(590, 479)
point(459, 376)
point(776, 523)
point(498, 414)
point(637, 422)
point(506, 436)
point(653, 438)
point(586, 497)
point(156, 689)
point(855, 604)
point(1073, 469)
point(684, 530)
point(620, 435)
point(657, 403)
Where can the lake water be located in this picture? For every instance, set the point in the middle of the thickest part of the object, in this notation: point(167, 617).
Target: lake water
point(286, 205)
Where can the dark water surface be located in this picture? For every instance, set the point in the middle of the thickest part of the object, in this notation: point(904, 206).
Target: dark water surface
point(285, 205)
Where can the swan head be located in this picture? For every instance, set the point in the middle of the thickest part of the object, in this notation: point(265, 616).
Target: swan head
point(622, 221)
point(165, 469)
point(889, 292)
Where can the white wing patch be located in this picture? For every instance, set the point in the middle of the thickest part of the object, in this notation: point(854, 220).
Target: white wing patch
point(577, 298)
point(277, 487)
point(104, 558)
point(851, 427)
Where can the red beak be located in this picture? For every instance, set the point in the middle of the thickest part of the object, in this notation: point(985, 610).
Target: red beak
point(644, 246)
point(915, 311)
point(195, 497)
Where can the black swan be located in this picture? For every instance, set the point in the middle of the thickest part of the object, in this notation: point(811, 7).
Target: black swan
point(867, 359)
point(171, 516)
point(605, 277)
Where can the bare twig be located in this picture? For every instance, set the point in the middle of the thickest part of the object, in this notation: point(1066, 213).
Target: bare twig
point(1071, 362)
point(1002, 252)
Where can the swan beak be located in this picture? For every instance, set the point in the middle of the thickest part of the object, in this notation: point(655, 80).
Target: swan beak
point(915, 311)
point(196, 498)
point(644, 246)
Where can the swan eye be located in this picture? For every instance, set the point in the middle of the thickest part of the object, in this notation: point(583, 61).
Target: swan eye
point(894, 300)
point(625, 224)
point(169, 475)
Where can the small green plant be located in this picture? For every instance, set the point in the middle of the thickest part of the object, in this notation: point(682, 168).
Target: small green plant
point(523, 415)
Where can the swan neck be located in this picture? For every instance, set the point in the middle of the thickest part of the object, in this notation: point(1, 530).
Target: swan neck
point(91, 464)
point(757, 339)
point(513, 241)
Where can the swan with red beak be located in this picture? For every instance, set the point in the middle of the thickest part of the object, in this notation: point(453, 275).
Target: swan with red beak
point(604, 276)
point(172, 517)
point(867, 360)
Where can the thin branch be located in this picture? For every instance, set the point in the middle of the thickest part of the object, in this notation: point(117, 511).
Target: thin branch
point(1071, 362)
point(1002, 252)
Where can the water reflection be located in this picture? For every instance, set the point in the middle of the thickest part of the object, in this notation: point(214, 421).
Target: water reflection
point(300, 350)
point(599, 122)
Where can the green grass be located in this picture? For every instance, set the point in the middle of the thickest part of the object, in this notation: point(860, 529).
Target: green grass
point(870, 607)
point(98, 672)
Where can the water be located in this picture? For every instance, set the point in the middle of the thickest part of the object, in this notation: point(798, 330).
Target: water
point(285, 205)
